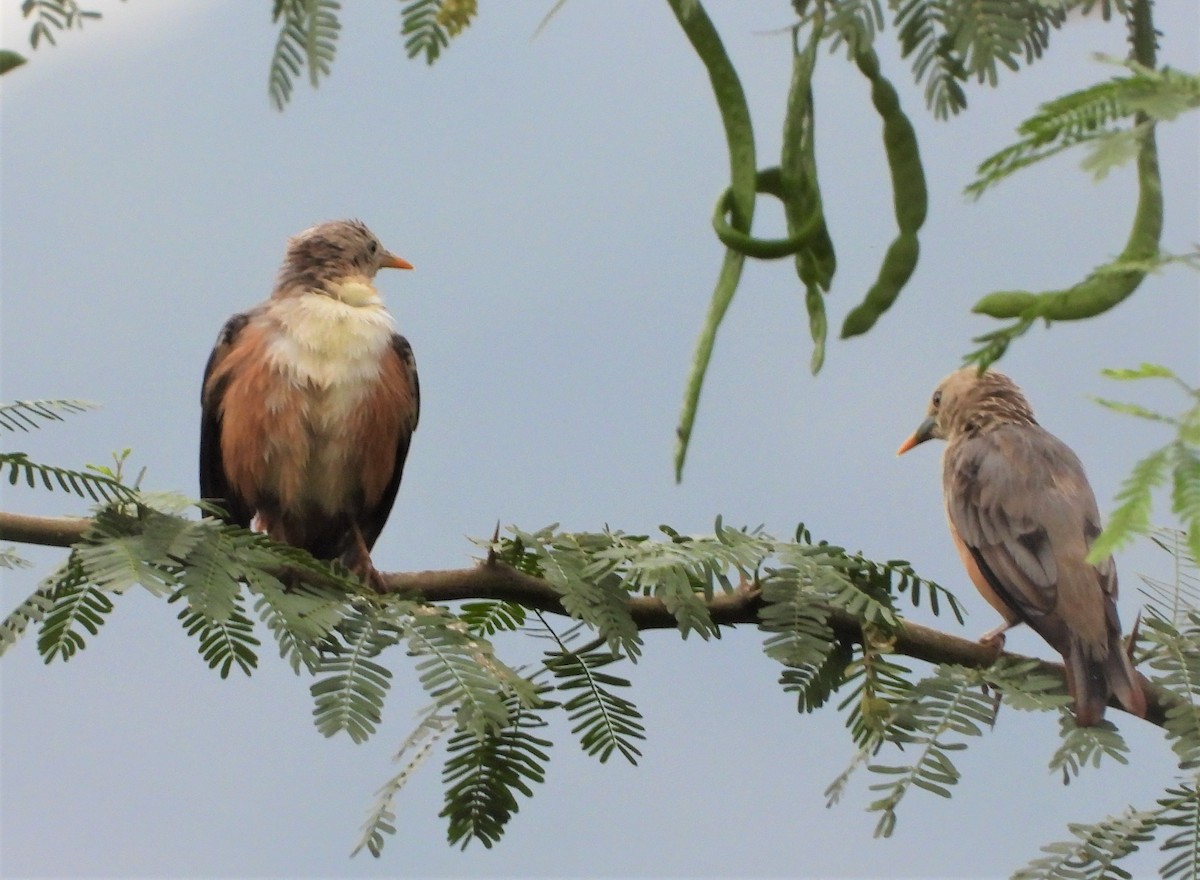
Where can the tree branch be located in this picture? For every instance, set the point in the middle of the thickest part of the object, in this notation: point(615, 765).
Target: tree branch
point(49, 531)
point(493, 579)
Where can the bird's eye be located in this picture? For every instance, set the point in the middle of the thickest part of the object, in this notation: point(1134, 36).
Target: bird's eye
point(373, 246)
point(937, 398)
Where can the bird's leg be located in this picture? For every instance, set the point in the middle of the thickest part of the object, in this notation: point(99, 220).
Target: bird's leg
point(358, 559)
point(994, 638)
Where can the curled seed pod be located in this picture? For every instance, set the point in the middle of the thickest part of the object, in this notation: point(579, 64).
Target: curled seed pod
point(767, 182)
point(739, 136)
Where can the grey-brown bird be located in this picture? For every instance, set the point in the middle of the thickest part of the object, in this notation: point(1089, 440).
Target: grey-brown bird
point(310, 400)
point(1023, 518)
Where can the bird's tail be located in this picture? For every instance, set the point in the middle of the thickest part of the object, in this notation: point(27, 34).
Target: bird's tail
point(1094, 679)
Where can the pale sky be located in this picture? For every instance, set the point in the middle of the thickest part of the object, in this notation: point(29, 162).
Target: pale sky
point(554, 195)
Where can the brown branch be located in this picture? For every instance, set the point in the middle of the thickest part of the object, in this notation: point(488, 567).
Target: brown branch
point(49, 531)
point(493, 579)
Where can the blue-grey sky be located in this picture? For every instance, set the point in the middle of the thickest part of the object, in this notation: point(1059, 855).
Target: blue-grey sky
point(554, 195)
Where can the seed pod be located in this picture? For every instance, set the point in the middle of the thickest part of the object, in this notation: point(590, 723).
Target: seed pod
point(910, 199)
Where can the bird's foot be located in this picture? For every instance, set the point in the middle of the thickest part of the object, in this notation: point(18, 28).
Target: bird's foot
point(371, 576)
point(994, 639)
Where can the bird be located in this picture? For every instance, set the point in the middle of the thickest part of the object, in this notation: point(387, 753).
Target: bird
point(310, 400)
point(1023, 518)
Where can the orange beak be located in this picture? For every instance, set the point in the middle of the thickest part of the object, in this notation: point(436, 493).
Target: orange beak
point(391, 261)
point(924, 432)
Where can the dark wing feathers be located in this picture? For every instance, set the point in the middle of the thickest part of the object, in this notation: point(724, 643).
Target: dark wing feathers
point(214, 485)
point(374, 518)
point(1005, 499)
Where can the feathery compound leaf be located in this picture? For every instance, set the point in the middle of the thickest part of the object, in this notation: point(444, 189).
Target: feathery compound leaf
point(854, 23)
point(1081, 746)
point(601, 601)
point(1174, 656)
point(1185, 492)
point(1172, 600)
point(76, 604)
point(32, 610)
point(1181, 809)
point(951, 41)
point(489, 618)
point(307, 39)
point(840, 580)
point(223, 642)
point(801, 640)
point(123, 551)
point(1132, 516)
point(1025, 685)
point(381, 819)
point(943, 705)
point(1095, 850)
point(350, 696)
point(301, 616)
point(54, 15)
point(1090, 115)
point(98, 488)
point(25, 414)
point(423, 29)
point(11, 559)
point(484, 774)
point(461, 671)
point(211, 580)
point(604, 720)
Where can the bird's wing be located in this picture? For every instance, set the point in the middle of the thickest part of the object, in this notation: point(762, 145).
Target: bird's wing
point(214, 482)
point(1021, 505)
point(398, 400)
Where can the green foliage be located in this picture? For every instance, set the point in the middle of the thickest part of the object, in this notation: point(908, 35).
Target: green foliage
point(10, 60)
point(490, 618)
point(429, 25)
point(1090, 116)
point(22, 415)
point(225, 641)
point(9, 558)
point(460, 671)
point(483, 774)
point(54, 15)
point(604, 720)
point(1095, 850)
point(72, 604)
point(1081, 746)
point(953, 41)
point(1177, 462)
point(565, 562)
point(1172, 600)
point(30, 611)
point(97, 487)
point(308, 33)
point(381, 819)
point(350, 688)
point(939, 711)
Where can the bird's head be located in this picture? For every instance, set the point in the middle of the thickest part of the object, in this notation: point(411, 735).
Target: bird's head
point(967, 402)
point(325, 257)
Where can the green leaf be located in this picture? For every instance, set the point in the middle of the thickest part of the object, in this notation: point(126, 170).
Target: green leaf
point(75, 605)
point(10, 60)
point(604, 720)
point(1132, 516)
point(307, 39)
point(381, 820)
point(484, 774)
point(349, 698)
